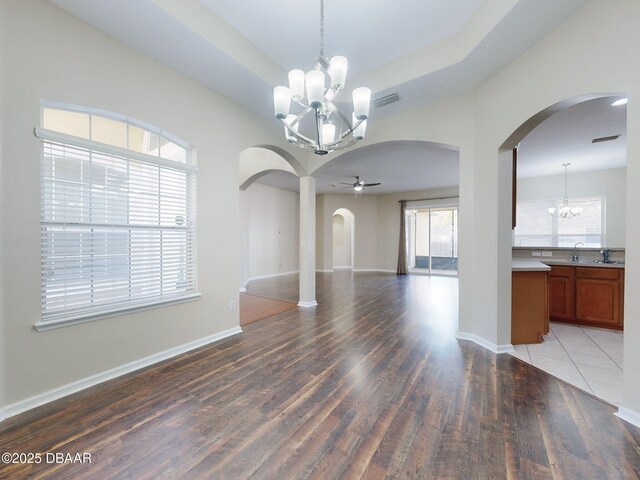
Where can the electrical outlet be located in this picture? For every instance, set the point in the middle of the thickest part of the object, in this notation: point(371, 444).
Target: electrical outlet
point(232, 305)
point(536, 254)
point(547, 254)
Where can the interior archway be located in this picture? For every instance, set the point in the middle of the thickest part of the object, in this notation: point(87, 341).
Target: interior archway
point(343, 233)
point(592, 182)
point(255, 162)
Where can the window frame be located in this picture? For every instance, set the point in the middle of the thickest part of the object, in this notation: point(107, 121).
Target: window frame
point(188, 167)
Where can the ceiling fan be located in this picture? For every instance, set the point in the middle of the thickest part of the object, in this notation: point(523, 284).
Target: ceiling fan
point(359, 185)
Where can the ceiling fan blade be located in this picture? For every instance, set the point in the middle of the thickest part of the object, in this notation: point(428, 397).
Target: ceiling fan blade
point(371, 184)
point(343, 183)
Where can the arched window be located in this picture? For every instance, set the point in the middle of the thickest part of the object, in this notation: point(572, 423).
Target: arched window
point(118, 216)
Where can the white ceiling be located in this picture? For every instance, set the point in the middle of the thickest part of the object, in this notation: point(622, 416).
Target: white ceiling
point(426, 50)
point(368, 33)
point(399, 166)
point(566, 136)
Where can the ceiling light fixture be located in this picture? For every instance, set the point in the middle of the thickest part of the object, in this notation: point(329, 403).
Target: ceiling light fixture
point(565, 210)
point(320, 101)
point(359, 185)
point(622, 101)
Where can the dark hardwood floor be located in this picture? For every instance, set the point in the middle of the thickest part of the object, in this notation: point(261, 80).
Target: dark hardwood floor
point(369, 384)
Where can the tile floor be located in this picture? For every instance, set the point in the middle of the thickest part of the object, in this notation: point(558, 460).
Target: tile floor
point(588, 358)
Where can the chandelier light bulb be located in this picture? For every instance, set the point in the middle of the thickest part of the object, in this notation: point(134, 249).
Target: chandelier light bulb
point(361, 100)
point(296, 83)
point(358, 188)
point(315, 88)
point(338, 71)
point(281, 101)
point(328, 133)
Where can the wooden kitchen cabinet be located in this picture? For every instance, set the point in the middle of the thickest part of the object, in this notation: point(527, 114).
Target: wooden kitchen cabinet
point(529, 307)
point(590, 296)
point(562, 293)
point(599, 296)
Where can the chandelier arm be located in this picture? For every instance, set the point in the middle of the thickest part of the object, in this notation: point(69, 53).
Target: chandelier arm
point(300, 102)
point(300, 146)
point(296, 134)
point(300, 116)
point(344, 119)
point(318, 128)
point(344, 146)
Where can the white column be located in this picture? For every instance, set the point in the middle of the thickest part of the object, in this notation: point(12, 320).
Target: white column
point(307, 242)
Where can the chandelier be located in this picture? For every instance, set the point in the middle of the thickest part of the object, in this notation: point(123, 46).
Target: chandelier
point(565, 210)
point(327, 128)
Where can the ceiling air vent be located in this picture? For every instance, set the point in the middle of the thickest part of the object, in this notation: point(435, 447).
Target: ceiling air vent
point(386, 100)
point(605, 139)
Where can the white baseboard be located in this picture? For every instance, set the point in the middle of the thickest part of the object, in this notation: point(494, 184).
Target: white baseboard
point(506, 348)
point(307, 304)
point(628, 415)
point(345, 267)
point(242, 289)
point(272, 275)
point(356, 270)
point(373, 270)
point(73, 387)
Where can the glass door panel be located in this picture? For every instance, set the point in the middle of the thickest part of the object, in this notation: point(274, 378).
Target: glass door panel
point(444, 240)
point(432, 235)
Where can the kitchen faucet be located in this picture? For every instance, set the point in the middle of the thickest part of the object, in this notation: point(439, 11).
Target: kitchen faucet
point(605, 255)
point(576, 257)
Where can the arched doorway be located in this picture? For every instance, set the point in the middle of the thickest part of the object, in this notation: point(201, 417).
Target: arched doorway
point(589, 133)
point(343, 234)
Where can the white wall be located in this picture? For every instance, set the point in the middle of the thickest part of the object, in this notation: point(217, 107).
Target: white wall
point(48, 54)
point(365, 213)
point(270, 218)
point(611, 183)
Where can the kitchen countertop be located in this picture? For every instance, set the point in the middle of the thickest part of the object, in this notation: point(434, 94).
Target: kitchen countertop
point(524, 265)
point(581, 263)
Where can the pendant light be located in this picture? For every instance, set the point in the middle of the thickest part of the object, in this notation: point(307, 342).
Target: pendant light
point(565, 210)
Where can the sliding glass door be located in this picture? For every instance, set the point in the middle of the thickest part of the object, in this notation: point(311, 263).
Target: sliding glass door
point(433, 240)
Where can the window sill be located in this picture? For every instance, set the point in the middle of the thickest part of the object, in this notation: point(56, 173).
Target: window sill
point(43, 326)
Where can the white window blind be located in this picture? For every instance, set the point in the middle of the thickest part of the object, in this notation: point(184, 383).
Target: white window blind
point(118, 228)
point(535, 227)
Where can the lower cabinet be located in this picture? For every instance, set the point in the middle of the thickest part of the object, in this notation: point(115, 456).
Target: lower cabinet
point(562, 293)
point(590, 296)
point(529, 307)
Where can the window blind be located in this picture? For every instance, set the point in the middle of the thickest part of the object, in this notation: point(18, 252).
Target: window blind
point(118, 231)
point(535, 227)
